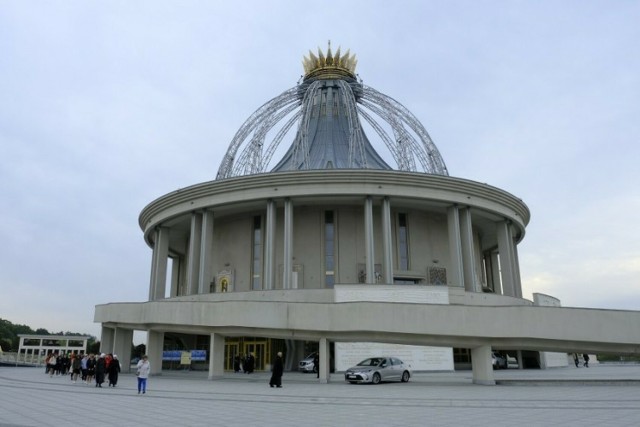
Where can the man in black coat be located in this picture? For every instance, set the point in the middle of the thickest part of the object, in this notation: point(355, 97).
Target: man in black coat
point(276, 371)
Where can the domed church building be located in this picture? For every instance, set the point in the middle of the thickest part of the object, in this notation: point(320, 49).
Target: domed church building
point(333, 226)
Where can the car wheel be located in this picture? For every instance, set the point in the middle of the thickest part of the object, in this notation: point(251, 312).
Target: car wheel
point(376, 378)
point(405, 376)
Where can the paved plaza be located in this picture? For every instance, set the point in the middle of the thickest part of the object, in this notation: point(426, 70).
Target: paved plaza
point(601, 395)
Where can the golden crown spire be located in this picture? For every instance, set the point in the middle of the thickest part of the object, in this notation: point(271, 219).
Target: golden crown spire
point(330, 66)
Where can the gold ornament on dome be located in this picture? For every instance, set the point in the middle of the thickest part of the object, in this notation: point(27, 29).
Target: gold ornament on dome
point(329, 66)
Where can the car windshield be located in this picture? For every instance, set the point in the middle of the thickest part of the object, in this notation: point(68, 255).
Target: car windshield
point(374, 361)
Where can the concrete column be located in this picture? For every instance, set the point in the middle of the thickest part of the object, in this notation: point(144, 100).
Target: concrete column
point(289, 360)
point(122, 347)
point(517, 284)
point(176, 266)
point(505, 247)
point(468, 254)
point(482, 366)
point(205, 275)
point(155, 345)
point(455, 273)
point(324, 356)
point(495, 274)
point(193, 263)
point(288, 244)
point(159, 262)
point(368, 241)
point(387, 241)
point(216, 356)
point(520, 361)
point(270, 246)
point(107, 338)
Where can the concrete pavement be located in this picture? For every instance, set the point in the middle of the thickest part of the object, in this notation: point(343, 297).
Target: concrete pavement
point(600, 395)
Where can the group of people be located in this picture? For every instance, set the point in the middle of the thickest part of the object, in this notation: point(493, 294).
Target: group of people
point(245, 364)
point(576, 360)
point(248, 364)
point(86, 366)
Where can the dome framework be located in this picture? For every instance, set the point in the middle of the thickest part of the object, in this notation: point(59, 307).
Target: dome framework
point(329, 106)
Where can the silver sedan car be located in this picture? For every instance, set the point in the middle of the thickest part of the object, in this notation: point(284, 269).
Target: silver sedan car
point(377, 369)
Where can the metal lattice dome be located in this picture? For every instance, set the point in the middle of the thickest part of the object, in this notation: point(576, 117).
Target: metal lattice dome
point(327, 109)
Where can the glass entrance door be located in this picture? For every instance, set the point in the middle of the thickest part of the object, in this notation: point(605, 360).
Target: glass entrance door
point(231, 350)
point(259, 350)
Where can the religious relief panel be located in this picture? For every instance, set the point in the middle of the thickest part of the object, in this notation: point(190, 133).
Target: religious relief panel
point(224, 281)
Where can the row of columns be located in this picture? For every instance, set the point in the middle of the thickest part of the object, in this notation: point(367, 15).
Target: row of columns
point(462, 264)
point(118, 341)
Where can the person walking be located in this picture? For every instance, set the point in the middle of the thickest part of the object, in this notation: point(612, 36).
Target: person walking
point(83, 367)
point(76, 366)
point(142, 372)
point(236, 363)
point(101, 369)
point(576, 360)
point(316, 364)
point(277, 371)
point(91, 368)
point(586, 360)
point(249, 363)
point(113, 370)
point(51, 364)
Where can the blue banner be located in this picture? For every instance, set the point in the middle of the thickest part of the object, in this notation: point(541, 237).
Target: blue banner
point(176, 355)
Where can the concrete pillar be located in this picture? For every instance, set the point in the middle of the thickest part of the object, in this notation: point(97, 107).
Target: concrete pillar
point(270, 246)
point(176, 266)
point(482, 366)
point(387, 266)
point(288, 244)
point(495, 274)
point(155, 345)
point(205, 275)
point(159, 262)
point(468, 254)
point(520, 361)
point(216, 356)
point(193, 262)
point(368, 241)
point(324, 359)
point(455, 273)
point(505, 247)
point(517, 284)
point(123, 339)
point(107, 338)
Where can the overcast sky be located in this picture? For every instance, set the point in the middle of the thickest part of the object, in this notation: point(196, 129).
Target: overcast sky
point(105, 106)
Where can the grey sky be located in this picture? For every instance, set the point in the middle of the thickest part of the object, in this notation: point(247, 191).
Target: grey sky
point(105, 106)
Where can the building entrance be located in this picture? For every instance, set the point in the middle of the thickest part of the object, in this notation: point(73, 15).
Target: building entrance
point(242, 347)
point(231, 350)
point(259, 350)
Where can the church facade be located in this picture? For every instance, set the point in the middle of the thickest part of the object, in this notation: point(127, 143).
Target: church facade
point(356, 234)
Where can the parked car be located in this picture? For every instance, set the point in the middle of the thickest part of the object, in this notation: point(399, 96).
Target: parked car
point(307, 365)
point(512, 362)
point(377, 369)
point(498, 360)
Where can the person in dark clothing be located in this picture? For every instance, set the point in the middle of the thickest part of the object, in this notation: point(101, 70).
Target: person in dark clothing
point(316, 365)
point(277, 371)
point(576, 359)
point(100, 370)
point(586, 360)
point(236, 364)
point(249, 363)
point(113, 370)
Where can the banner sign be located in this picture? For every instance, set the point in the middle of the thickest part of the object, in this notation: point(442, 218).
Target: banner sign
point(176, 355)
